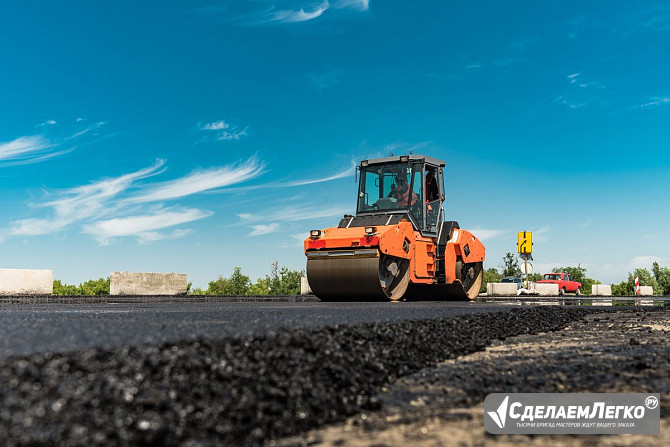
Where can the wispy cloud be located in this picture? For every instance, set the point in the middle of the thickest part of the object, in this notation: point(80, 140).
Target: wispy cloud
point(345, 173)
point(38, 148)
point(582, 92)
point(24, 148)
point(585, 223)
point(199, 181)
point(360, 5)
point(540, 235)
point(222, 131)
point(306, 11)
point(107, 209)
point(487, 234)
point(301, 15)
point(653, 102)
point(297, 213)
point(264, 229)
point(144, 227)
point(645, 261)
point(82, 202)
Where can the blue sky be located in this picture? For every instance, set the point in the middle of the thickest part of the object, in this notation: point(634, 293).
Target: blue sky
point(194, 136)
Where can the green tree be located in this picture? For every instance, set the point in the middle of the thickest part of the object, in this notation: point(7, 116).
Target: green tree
point(490, 275)
point(217, 287)
point(511, 265)
point(65, 289)
point(662, 276)
point(91, 287)
point(98, 286)
point(237, 284)
point(284, 281)
point(646, 278)
point(260, 287)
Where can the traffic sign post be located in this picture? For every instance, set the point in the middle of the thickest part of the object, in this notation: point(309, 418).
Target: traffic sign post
point(525, 248)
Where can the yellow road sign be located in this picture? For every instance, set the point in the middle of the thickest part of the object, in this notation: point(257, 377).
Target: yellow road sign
point(525, 243)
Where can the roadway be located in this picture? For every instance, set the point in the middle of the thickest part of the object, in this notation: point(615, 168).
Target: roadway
point(75, 325)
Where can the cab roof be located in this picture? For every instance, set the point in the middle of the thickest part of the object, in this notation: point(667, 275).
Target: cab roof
point(404, 159)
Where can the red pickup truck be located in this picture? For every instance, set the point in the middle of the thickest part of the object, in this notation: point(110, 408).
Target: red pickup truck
point(564, 281)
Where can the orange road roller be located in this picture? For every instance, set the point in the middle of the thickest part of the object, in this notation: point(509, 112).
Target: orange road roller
point(398, 245)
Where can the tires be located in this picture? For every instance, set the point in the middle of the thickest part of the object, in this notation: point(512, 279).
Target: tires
point(562, 291)
point(579, 291)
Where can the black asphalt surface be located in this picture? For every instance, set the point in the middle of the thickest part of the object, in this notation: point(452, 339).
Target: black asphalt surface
point(243, 381)
point(32, 328)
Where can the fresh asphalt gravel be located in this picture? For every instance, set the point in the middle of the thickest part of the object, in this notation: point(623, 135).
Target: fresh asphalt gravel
point(81, 323)
point(244, 389)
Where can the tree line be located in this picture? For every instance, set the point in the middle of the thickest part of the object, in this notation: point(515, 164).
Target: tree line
point(280, 281)
point(658, 278)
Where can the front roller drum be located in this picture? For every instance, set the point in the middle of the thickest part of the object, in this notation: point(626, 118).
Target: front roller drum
point(357, 275)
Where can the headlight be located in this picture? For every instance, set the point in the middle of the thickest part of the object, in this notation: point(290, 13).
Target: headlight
point(315, 233)
point(369, 231)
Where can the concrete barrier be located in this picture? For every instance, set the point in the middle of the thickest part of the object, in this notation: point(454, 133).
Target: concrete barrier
point(132, 283)
point(501, 289)
point(601, 290)
point(305, 289)
point(26, 282)
point(546, 289)
point(646, 291)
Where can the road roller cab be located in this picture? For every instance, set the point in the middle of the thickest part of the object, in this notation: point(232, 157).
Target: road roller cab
point(398, 244)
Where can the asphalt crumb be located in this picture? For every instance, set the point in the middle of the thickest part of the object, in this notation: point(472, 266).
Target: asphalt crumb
point(237, 391)
point(443, 405)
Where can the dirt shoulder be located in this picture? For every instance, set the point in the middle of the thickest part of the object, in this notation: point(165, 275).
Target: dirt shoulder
point(614, 352)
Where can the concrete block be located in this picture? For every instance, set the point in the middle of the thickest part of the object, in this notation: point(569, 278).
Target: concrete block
point(546, 289)
point(601, 290)
point(26, 282)
point(646, 291)
point(501, 289)
point(305, 289)
point(133, 283)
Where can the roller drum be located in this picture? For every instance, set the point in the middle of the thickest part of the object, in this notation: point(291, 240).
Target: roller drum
point(356, 276)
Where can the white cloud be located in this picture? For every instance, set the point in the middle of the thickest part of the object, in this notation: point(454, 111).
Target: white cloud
point(487, 234)
point(79, 203)
point(656, 101)
point(296, 213)
point(85, 201)
point(37, 148)
point(144, 226)
point(339, 175)
point(199, 181)
point(360, 5)
point(264, 229)
point(216, 125)
point(24, 148)
point(645, 261)
point(88, 129)
point(106, 209)
point(223, 131)
point(586, 223)
point(300, 15)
